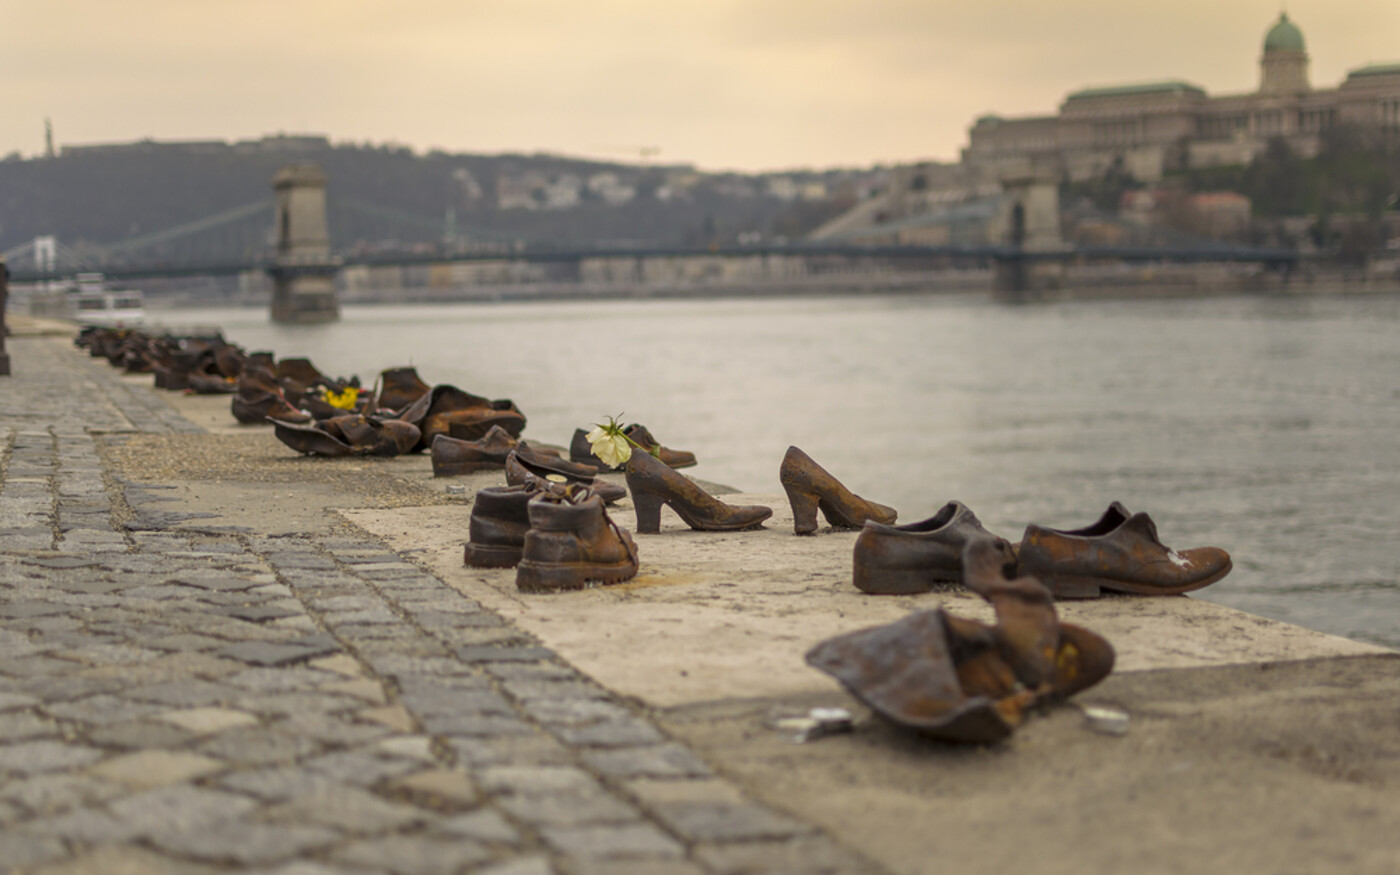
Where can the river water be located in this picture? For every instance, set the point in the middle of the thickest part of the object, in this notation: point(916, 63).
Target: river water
point(1266, 426)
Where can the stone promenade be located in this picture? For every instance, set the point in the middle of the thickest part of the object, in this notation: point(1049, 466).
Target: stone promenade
point(186, 697)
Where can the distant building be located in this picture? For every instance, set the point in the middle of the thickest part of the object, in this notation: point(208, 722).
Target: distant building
point(1150, 128)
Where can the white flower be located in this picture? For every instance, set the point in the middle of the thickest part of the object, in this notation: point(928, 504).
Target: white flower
point(610, 444)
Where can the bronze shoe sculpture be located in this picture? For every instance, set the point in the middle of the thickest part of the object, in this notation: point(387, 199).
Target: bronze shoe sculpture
point(348, 435)
point(1121, 553)
point(310, 439)
point(914, 558)
point(959, 680)
point(265, 406)
point(571, 543)
point(461, 414)
point(809, 487)
point(399, 387)
point(527, 462)
point(581, 451)
point(452, 456)
point(653, 484)
point(496, 532)
point(669, 457)
point(377, 437)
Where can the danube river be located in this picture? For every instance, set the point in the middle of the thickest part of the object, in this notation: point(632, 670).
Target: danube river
point(1266, 426)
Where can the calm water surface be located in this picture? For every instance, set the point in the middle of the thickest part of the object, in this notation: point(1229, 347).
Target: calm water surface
point(1267, 426)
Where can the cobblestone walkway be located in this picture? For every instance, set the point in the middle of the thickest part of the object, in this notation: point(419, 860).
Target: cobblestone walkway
point(187, 700)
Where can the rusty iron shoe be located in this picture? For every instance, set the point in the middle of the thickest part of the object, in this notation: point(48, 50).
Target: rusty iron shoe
point(671, 458)
point(1121, 553)
point(311, 440)
point(581, 451)
point(262, 407)
point(809, 486)
point(453, 456)
point(653, 484)
point(914, 558)
point(964, 681)
point(572, 543)
point(526, 462)
point(399, 387)
point(496, 532)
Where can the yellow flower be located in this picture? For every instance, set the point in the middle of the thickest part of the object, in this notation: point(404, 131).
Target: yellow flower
point(610, 444)
point(341, 400)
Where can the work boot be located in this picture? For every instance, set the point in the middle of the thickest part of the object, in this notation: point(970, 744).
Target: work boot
point(496, 533)
point(572, 543)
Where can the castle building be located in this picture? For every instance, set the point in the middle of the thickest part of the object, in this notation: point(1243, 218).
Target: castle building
point(1155, 127)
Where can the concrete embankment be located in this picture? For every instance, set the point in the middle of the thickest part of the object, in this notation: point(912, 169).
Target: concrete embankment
point(620, 729)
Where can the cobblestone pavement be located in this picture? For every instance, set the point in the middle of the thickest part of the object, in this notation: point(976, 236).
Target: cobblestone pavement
point(189, 700)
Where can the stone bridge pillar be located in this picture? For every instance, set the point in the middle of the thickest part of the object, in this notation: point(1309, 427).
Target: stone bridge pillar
point(1029, 223)
point(304, 273)
point(4, 331)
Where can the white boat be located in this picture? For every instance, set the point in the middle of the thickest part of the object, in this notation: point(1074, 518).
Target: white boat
point(92, 303)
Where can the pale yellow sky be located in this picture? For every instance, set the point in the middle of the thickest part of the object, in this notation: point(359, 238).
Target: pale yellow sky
point(756, 85)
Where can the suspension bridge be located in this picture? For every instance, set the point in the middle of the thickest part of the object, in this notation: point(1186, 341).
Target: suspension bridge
point(303, 255)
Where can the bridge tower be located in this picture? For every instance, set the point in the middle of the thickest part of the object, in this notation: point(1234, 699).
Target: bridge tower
point(1029, 223)
point(304, 272)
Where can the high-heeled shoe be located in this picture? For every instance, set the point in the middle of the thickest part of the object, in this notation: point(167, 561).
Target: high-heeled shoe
point(653, 484)
point(809, 486)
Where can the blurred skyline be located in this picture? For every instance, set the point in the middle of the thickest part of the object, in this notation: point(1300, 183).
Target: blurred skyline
point(722, 84)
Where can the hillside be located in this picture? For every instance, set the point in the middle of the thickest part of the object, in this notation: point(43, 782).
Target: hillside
point(389, 198)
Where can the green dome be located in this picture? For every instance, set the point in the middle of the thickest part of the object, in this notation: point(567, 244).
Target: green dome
point(1284, 36)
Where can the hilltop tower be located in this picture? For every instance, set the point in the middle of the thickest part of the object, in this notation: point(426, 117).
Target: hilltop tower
point(1283, 68)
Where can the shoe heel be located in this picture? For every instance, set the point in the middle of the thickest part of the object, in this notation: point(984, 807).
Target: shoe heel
point(490, 556)
point(893, 581)
point(531, 577)
point(804, 510)
point(1071, 586)
point(648, 506)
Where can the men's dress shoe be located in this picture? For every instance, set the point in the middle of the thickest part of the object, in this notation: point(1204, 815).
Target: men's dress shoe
point(264, 407)
point(913, 558)
point(1121, 552)
point(378, 437)
point(809, 486)
point(348, 435)
point(496, 532)
point(669, 457)
point(960, 680)
point(653, 484)
point(525, 463)
point(581, 451)
point(452, 456)
point(310, 439)
point(200, 383)
point(571, 543)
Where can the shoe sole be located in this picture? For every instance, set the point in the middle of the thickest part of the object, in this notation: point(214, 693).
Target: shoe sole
point(1083, 586)
point(533, 576)
point(877, 581)
point(460, 468)
point(491, 556)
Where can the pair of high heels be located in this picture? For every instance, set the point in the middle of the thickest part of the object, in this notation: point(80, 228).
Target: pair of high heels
point(809, 488)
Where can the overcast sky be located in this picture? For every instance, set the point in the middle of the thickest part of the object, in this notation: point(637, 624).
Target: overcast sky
point(741, 84)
